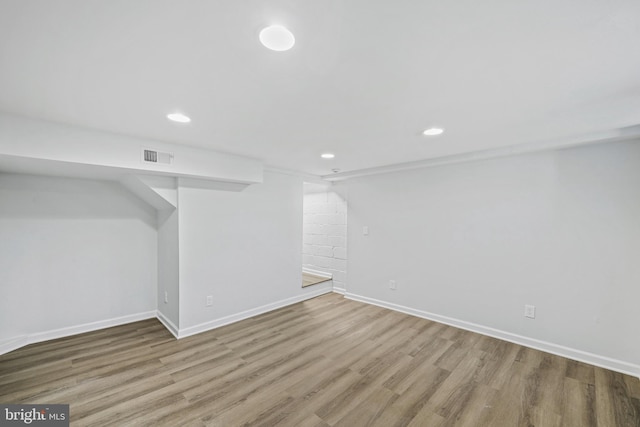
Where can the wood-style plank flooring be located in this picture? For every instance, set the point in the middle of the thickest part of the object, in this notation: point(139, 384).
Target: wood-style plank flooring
point(311, 279)
point(328, 361)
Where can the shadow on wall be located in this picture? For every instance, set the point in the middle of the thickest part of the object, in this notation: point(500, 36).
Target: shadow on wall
point(27, 196)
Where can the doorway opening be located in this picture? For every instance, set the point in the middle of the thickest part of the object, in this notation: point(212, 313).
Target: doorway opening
point(324, 234)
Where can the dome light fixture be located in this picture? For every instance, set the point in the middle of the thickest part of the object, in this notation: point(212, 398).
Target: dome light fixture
point(327, 155)
point(277, 37)
point(178, 117)
point(433, 131)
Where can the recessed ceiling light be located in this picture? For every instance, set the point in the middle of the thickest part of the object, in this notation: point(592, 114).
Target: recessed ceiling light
point(327, 155)
point(433, 131)
point(277, 37)
point(178, 117)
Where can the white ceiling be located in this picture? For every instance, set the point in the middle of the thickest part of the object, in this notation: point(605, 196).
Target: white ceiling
point(363, 79)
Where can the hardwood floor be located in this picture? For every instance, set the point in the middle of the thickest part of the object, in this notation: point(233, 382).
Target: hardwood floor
point(326, 361)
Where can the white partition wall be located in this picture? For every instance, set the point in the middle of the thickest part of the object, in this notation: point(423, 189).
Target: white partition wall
point(242, 248)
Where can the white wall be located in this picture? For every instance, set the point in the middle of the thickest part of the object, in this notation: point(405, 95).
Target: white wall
point(169, 269)
point(324, 231)
point(241, 247)
point(475, 242)
point(72, 252)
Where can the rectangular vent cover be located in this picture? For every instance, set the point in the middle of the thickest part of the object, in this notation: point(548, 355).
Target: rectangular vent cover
point(152, 156)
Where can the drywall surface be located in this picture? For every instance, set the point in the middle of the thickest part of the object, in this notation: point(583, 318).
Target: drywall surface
point(324, 231)
point(72, 252)
point(475, 242)
point(242, 248)
point(169, 268)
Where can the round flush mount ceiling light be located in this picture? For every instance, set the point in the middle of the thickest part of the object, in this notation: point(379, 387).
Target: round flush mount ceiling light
point(178, 117)
point(327, 155)
point(433, 131)
point(277, 37)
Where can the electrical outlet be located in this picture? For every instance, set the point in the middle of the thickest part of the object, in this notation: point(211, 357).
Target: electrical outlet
point(530, 311)
point(209, 300)
point(393, 285)
point(365, 230)
point(166, 297)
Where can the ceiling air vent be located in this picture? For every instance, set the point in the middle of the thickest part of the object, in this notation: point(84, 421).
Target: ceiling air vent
point(153, 156)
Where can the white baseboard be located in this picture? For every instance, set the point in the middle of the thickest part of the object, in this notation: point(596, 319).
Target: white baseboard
point(171, 327)
point(570, 353)
point(14, 344)
point(341, 291)
point(213, 324)
point(317, 272)
point(21, 341)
